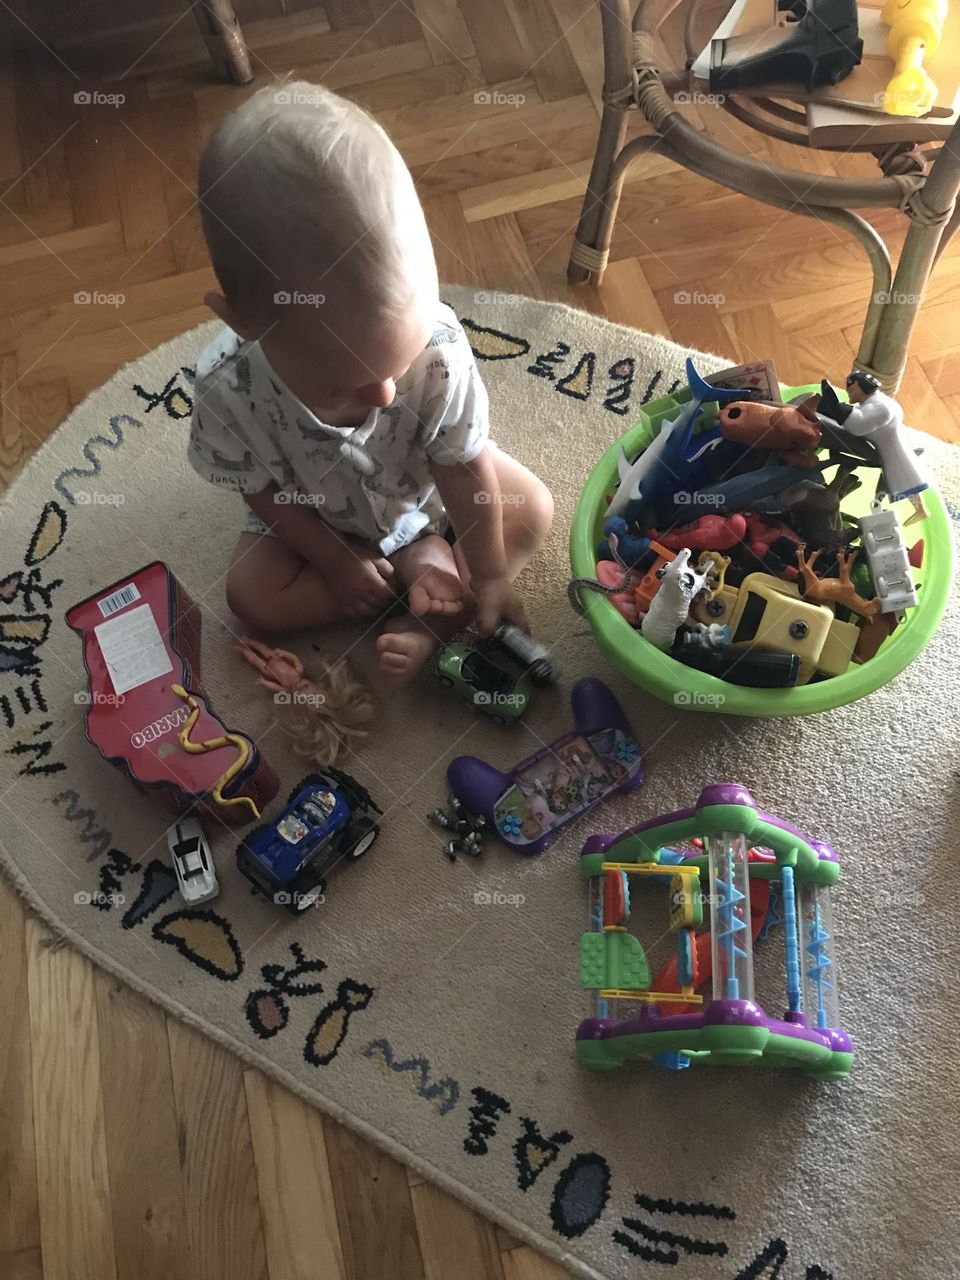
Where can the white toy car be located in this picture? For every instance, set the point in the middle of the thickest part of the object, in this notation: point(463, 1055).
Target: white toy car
point(192, 861)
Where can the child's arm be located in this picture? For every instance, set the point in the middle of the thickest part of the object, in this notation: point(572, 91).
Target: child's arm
point(360, 578)
point(471, 495)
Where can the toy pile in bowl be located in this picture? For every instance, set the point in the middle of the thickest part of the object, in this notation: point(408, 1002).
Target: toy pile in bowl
point(762, 551)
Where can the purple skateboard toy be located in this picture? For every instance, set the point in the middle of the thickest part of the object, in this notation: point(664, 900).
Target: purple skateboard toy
point(560, 783)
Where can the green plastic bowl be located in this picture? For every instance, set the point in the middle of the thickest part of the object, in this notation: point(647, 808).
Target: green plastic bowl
point(694, 690)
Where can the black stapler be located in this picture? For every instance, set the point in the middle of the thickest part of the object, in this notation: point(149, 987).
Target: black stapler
point(810, 43)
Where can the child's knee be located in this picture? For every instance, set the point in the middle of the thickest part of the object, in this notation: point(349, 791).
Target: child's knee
point(252, 597)
point(244, 602)
point(534, 514)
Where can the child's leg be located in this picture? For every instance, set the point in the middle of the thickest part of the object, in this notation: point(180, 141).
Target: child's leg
point(527, 514)
point(408, 641)
point(272, 588)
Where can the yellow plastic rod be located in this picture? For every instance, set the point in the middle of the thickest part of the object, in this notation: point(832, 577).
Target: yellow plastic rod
point(916, 28)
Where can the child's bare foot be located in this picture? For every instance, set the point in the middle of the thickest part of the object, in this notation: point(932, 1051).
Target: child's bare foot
point(428, 572)
point(404, 646)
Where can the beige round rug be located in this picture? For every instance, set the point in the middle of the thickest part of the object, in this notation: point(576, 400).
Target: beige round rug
point(432, 1006)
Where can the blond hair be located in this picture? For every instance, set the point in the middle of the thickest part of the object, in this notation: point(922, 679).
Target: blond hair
point(301, 189)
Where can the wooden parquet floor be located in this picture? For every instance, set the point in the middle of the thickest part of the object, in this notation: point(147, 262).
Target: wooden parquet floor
point(245, 1180)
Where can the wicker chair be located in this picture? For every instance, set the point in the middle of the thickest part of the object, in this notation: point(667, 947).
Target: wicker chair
point(224, 39)
point(921, 182)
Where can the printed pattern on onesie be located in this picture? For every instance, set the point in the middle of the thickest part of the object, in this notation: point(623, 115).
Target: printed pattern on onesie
point(372, 481)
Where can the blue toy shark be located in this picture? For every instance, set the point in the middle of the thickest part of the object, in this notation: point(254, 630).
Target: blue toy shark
point(665, 458)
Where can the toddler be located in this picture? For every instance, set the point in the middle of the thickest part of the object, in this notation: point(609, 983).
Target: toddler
point(342, 400)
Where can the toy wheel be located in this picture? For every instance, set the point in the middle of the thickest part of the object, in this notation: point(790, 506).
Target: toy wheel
point(308, 891)
point(446, 682)
point(355, 793)
point(361, 834)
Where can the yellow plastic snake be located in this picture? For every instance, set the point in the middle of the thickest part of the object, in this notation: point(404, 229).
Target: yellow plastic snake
point(211, 744)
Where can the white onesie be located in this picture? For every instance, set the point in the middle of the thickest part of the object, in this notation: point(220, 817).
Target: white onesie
point(372, 481)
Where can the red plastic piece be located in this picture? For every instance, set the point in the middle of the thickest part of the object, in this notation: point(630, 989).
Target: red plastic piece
point(915, 554)
point(139, 730)
point(762, 533)
point(614, 899)
point(709, 533)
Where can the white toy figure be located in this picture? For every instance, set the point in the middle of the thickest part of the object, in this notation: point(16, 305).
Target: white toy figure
point(878, 417)
point(670, 606)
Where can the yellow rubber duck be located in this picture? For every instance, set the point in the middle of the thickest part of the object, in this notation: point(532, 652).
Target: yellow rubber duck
point(916, 27)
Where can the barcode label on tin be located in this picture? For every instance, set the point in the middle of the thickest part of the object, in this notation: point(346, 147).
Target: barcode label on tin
point(118, 600)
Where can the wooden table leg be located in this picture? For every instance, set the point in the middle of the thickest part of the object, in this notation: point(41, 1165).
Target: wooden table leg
point(223, 37)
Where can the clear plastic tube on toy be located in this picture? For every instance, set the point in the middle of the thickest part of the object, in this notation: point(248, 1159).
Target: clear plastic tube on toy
point(816, 948)
point(731, 942)
point(595, 907)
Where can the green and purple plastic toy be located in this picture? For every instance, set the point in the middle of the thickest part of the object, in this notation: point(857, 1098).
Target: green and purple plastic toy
point(744, 854)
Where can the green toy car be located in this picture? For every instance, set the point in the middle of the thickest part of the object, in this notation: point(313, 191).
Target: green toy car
point(497, 693)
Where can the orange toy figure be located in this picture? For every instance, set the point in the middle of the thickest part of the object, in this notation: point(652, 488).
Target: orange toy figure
point(650, 583)
point(837, 590)
point(793, 430)
point(321, 717)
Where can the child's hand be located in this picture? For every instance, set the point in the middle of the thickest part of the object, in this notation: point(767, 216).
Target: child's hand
point(497, 601)
point(362, 580)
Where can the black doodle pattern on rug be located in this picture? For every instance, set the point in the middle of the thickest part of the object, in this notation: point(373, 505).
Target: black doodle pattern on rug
point(110, 878)
point(22, 636)
point(158, 885)
point(545, 365)
point(22, 694)
point(177, 403)
point(662, 1245)
point(580, 1195)
point(266, 1008)
point(485, 1113)
point(204, 938)
point(493, 344)
point(330, 1029)
point(15, 584)
point(617, 399)
point(579, 382)
point(47, 535)
point(768, 1264)
point(444, 1093)
point(91, 832)
point(38, 751)
point(534, 1151)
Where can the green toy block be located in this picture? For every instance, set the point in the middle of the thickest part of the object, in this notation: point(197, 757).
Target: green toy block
point(613, 961)
point(593, 964)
